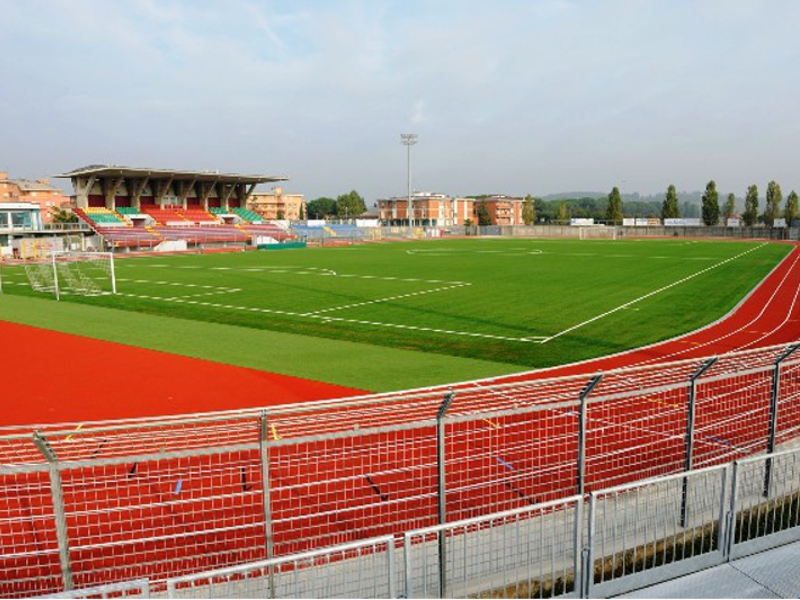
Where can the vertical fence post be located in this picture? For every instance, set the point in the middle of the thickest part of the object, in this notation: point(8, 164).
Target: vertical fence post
point(263, 449)
point(730, 534)
point(587, 553)
point(581, 479)
point(722, 520)
point(689, 439)
point(578, 558)
point(390, 568)
point(407, 558)
point(773, 414)
point(442, 490)
point(59, 513)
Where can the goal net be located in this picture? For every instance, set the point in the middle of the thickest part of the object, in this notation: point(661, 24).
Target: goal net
point(74, 273)
point(597, 233)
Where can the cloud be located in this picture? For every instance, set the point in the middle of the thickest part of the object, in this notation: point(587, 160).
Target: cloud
point(508, 96)
point(418, 112)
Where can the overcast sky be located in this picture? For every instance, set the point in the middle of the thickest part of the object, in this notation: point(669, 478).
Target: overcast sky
point(507, 97)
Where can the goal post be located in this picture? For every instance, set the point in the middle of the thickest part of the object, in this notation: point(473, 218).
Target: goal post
point(74, 272)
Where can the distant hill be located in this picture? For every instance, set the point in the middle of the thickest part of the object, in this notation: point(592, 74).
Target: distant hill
point(565, 195)
point(690, 197)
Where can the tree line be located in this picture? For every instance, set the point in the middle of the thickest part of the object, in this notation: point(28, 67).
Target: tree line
point(611, 209)
point(772, 211)
point(345, 206)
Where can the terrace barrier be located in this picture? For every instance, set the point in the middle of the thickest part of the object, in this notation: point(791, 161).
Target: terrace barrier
point(88, 504)
point(633, 535)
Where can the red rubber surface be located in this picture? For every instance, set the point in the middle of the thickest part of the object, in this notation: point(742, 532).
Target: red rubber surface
point(93, 380)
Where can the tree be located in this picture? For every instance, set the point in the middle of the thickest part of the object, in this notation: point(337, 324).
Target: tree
point(750, 215)
point(350, 205)
point(302, 212)
point(280, 216)
point(669, 209)
point(562, 216)
point(614, 210)
point(321, 208)
point(729, 207)
point(710, 208)
point(61, 215)
point(528, 210)
point(482, 212)
point(791, 211)
point(773, 207)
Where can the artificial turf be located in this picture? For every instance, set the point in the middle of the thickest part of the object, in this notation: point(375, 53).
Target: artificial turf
point(490, 300)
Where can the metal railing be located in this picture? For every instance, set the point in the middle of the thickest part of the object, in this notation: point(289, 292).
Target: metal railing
point(159, 498)
point(632, 535)
point(359, 570)
point(524, 553)
point(138, 588)
point(642, 533)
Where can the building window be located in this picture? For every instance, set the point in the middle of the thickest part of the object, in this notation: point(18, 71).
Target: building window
point(21, 219)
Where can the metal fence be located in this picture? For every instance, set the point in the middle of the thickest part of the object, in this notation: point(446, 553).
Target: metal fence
point(633, 535)
point(138, 588)
point(642, 533)
point(360, 570)
point(525, 553)
point(82, 505)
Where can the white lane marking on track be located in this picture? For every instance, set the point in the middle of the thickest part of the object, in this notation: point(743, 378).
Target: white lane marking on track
point(761, 313)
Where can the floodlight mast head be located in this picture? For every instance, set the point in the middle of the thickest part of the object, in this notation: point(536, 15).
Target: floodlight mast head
point(408, 140)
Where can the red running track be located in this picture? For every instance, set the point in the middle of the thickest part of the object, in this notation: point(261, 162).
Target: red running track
point(96, 380)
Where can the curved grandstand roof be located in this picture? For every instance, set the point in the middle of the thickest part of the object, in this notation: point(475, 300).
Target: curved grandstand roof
point(138, 172)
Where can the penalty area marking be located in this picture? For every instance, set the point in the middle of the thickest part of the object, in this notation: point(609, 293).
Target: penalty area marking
point(650, 294)
point(323, 314)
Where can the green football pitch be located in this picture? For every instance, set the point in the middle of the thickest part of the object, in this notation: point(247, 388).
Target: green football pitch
point(528, 303)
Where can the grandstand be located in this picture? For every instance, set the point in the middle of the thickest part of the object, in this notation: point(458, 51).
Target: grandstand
point(248, 215)
point(138, 207)
point(328, 231)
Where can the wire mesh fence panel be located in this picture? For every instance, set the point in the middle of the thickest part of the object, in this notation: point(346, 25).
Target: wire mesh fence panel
point(732, 416)
point(510, 460)
point(360, 570)
point(138, 588)
point(157, 497)
point(530, 552)
point(155, 518)
point(788, 418)
point(635, 435)
point(334, 490)
point(123, 440)
point(654, 530)
point(29, 556)
point(766, 502)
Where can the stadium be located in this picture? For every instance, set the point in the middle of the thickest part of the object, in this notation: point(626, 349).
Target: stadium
point(610, 407)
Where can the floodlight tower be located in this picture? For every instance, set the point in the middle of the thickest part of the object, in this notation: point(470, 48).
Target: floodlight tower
point(408, 140)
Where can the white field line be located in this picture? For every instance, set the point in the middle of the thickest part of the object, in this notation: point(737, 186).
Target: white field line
point(650, 294)
point(504, 252)
point(321, 314)
point(211, 290)
point(760, 314)
point(386, 299)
